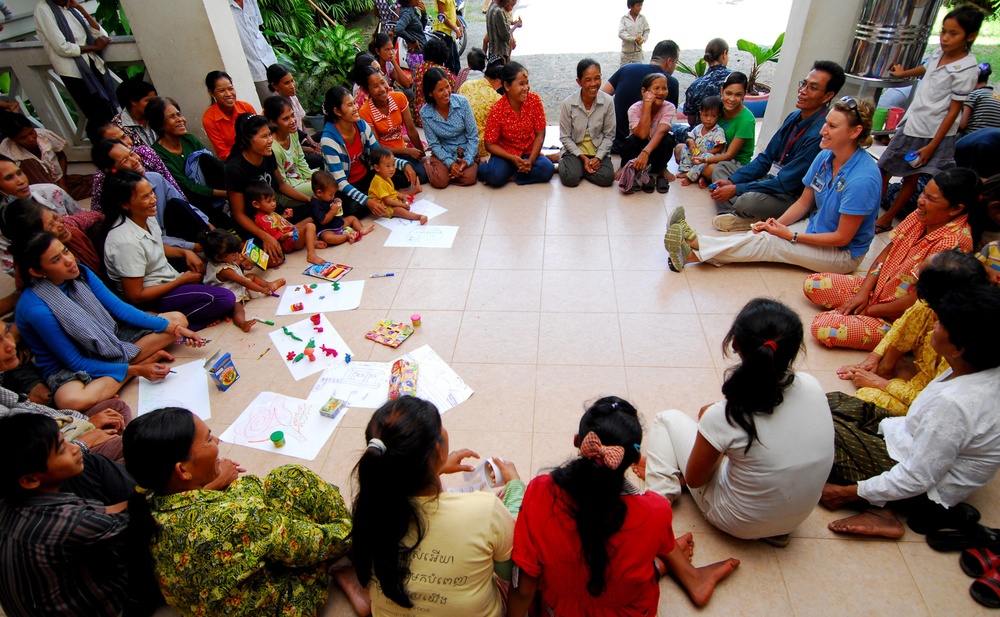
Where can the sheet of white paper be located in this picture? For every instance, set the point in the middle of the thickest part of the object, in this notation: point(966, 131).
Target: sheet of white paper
point(305, 430)
point(425, 207)
point(186, 386)
point(423, 236)
point(323, 298)
point(305, 330)
point(360, 384)
point(436, 381)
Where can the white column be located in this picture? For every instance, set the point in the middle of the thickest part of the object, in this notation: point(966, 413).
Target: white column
point(181, 41)
point(817, 30)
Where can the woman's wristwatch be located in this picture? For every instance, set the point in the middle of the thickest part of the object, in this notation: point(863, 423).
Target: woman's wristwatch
point(795, 237)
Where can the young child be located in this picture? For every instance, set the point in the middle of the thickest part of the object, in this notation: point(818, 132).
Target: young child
point(227, 266)
point(60, 554)
point(930, 126)
point(982, 108)
point(706, 138)
point(291, 237)
point(384, 164)
point(328, 213)
point(633, 29)
point(590, 540)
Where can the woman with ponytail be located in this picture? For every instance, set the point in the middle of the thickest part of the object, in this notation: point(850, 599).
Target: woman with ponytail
point(756, 462)
point(591, 541)
point(427, 551)
point(215, 543)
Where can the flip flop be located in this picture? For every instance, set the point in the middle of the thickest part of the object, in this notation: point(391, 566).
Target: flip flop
point(977, 562)
point(881, 229)
point(662, 185)
point(958, 517)
point(986, 589)
point(976, 536)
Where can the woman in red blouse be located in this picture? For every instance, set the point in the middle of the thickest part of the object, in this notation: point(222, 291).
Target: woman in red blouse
point(388, 113)
point(514, 132)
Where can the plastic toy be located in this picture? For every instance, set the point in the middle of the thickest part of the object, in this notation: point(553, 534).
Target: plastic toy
point(309, 290)
point(347, 358)
point(290, 333)
point(297, 306)
point(278, 439)
point(313, 286)
point(328, 350)
point(336, 286)
point(315, 319)
point(291, 356)
point(713, 186)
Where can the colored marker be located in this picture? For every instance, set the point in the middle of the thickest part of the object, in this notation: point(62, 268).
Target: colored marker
point(274, 294)
point(181, 341)
point(376, 276)
point(174, 372)
point(262, 355)
point(267, 321)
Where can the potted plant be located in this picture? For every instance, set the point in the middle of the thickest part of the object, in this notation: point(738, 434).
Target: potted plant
point(696, 71)
point(319, 61)
point(758, 93)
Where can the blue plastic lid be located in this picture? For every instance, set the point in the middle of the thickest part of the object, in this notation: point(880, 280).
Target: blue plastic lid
point(912, 155)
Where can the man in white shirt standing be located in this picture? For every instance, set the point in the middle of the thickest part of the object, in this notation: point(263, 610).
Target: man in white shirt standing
point(945, 448)
point(258, 51)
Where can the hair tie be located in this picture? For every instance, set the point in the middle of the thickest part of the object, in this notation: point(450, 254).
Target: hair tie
point(614, 405)
point(609, 456)
point(140, 490)
point(637, 448)
point(113, 170)
point(771, 344)
point(377, 444)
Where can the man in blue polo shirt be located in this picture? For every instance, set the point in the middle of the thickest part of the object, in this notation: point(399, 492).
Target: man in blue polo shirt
point(772, 181)
point(626, 85)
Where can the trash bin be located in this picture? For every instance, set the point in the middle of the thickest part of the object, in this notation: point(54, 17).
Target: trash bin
point(890, 32)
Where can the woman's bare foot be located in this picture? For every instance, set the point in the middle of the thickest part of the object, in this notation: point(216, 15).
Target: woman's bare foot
point(685, 544)
point(685, 182)
point(701, 587)
point(669, 176)
point(347, 579)
point(875, 522)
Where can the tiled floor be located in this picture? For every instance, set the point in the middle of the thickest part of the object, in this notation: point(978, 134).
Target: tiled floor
point(551, 297)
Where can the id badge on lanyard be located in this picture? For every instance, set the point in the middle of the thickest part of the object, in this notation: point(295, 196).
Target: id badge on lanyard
point(775, 170)
point(817, 183)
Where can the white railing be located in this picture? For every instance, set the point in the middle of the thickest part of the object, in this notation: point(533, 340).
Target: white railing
point(33, 80)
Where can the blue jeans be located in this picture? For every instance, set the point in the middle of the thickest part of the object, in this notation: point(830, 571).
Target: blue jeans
point(498, 171)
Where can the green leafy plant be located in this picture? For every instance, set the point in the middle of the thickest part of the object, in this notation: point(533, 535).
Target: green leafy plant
point(319, 60)
point(990, 7)
point(760, 55)
point(300, 17)
point(112, 18)
point(697, 70)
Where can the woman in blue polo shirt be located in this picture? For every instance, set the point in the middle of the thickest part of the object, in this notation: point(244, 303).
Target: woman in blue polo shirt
point(843, 183)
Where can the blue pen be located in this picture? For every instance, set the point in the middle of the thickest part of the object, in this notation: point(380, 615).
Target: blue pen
point(175, 372)
point(181, 341)
point(375, 276)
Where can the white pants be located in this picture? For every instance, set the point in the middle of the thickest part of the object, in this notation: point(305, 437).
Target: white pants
point(669, 446)
point(759, 247)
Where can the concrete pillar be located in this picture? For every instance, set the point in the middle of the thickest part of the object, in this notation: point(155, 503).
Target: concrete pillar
point(181, 41)
point(817, 30)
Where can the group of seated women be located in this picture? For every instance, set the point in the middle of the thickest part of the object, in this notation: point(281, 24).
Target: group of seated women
point(578, 539)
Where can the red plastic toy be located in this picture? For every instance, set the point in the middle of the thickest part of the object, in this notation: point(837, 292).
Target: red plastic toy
point(328, 350)
point(315, 319)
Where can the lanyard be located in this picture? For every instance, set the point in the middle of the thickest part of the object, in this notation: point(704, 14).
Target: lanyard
point(789, 144)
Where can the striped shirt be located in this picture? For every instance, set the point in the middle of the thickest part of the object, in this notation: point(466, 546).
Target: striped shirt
point(338, 160)
point(61, 555)
point(985, 104)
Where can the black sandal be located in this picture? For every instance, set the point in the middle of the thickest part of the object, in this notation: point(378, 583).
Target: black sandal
point(975, 536)
point(662, 185)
